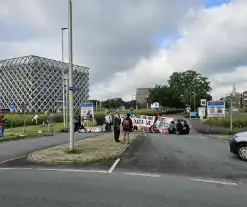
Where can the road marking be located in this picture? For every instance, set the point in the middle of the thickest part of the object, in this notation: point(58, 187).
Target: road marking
point(214, 182)
point(12, 159)
point(201, 137)
point(53, 169)
point(143, 174)
point(114, 165)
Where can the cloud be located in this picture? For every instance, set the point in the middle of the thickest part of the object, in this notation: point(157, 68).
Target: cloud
point(109, 36)
point(213, 43)
point(117, 40)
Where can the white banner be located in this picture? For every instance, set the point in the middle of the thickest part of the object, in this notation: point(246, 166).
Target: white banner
point(141, 120)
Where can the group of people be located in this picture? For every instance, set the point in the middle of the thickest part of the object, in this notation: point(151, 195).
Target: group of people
point(116, 122)
point(181, 127)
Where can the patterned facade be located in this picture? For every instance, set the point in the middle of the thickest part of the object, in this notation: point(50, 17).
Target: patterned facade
point(35, 84)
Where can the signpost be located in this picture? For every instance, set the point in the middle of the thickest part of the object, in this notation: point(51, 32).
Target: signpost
point(12, 107)
point(216, 109)
point(203, 102)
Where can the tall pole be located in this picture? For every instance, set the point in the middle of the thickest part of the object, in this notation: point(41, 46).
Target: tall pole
point(194, 102)
point(71, 95)
point(231, 115)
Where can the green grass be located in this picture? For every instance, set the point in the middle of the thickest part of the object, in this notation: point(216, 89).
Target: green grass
point(29, 132)
point(239, 120)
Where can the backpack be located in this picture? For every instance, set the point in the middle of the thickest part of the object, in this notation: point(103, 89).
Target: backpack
point(126, 124)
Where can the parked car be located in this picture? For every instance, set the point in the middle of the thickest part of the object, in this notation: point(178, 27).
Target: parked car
point(238, 145)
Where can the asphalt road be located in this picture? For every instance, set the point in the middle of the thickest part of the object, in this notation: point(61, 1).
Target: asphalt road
point(14, 149)
point(190, 155)
point(64, 189)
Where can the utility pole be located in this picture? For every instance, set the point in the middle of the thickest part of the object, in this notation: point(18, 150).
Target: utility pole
point(230, 114)
point(71, 95)
point(63, 82)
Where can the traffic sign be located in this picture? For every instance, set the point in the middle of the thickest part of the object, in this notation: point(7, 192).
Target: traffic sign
point(11, 107)
point(203, 102)
point(74, 88)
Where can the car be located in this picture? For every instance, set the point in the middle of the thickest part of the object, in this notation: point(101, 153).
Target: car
point(238, 145)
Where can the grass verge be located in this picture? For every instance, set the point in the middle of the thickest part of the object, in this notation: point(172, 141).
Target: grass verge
point(90, 150)
point(28, 132)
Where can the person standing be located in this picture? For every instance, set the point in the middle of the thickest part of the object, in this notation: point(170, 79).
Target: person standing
point(51, 122)
point(77, 122)
point(2, 122)
point(116, 126)
point(108, 122)
point(127, 127)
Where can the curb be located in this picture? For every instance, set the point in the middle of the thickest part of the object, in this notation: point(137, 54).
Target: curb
point(220, 137)
point(32, 158)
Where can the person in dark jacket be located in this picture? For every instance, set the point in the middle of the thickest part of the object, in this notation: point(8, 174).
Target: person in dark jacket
point(187, 127)
point(179, 127)
point(116, 126)
point(127, 127)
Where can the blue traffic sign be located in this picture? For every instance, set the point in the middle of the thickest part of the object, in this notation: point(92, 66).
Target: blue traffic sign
point(11, 106)
point(84, 105)
point(74, 88)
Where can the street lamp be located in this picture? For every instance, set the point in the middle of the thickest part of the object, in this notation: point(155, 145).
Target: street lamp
point(63, 80)
point(71, 95)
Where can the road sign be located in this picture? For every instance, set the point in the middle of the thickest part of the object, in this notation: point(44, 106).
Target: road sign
point(74, 89)
point(12, 107)
point(203, 102)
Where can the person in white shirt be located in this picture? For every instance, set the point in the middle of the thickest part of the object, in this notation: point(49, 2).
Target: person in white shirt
point(35, 118)
point(108, 121)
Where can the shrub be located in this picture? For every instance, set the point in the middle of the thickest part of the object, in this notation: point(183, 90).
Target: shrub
point(203, 128)
point(17, 120)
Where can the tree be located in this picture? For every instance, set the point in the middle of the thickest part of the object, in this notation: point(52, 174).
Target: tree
point(190, 85)
point(164, 95)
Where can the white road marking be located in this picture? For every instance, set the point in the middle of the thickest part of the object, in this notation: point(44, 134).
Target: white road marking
point(201, 137)
point(143, 174)
point(12, 159)
point(114, 165)
point(53, 169)
point(214, 182)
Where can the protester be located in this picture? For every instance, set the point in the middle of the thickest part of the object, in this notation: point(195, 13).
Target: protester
point(108, 121)
point(35, 119)
point(77, 122)
point(172, 128)
point(127, 127)
point(187, 127)
point(116, 126)
point(51, 122)
point(179, 127)
point(2, 123)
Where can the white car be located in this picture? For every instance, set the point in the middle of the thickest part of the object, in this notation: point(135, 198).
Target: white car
point(238, 145)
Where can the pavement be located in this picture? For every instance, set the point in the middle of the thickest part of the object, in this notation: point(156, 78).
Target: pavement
point(155, 170)
point(11, 150)
point(64, 189)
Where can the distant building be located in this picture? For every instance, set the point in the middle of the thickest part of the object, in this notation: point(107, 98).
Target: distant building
point(34, 83)
point(142, 95)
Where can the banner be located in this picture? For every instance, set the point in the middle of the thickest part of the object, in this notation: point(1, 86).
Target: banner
point(140, 120)
point(87, 113)
point(215, 109)
point(163, 123)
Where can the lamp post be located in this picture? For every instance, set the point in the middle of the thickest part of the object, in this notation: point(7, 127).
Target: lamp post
point(71, 95)
point(63, 82)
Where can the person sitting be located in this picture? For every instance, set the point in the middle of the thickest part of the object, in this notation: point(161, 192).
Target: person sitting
point(172, 128)
point(187, 127)
point(179, 127)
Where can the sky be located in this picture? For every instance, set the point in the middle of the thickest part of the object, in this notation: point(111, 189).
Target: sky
point(134, 43)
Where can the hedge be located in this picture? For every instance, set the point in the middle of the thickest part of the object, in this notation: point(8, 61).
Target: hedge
point(237, 123)
point(100, 116)
point(203, 128)
point(17, 120)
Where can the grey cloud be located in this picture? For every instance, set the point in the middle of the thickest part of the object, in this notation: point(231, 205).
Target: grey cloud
point(111, 36)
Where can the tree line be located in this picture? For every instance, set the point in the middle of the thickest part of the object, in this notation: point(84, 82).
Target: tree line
point(182, 89)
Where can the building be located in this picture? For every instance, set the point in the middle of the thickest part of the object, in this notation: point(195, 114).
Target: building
point(142, 95)
point(34, 83)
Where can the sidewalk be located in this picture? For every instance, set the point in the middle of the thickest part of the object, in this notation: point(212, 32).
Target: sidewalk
point(87, 151)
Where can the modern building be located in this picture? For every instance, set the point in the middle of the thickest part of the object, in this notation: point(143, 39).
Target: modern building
point(142, 95)
point(34, 83)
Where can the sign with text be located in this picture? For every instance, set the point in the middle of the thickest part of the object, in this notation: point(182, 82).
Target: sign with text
point(87, 112)
point(141, 120)
point(215, 109)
